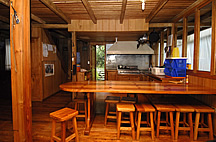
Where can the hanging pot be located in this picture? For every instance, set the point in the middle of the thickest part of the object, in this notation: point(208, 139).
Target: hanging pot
point(153, 37)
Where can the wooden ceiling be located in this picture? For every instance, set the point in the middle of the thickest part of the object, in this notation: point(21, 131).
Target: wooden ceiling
point(62, 11)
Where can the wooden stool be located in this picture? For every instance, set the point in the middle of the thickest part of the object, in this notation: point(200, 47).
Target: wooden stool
point(63, 115)
point(200, 108)
point(165, 108)
point(142, 108)
point(125, 108)
point(130, 100)
point(184, 108)
point(110, 100)
point(82, 113)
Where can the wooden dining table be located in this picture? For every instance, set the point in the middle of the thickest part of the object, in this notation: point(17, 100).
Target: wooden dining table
point(141, 87)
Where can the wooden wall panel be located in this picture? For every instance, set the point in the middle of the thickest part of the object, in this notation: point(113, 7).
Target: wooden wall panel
point(108, 25)
point(207, 99)
point(43, 87)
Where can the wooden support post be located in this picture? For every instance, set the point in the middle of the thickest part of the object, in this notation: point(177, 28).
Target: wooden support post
point(74, 52)
point(69, 58)
point(168, 33)
point(161, 48)
point(173, 38)
point(184, 38)
point(213, 44)
point(196, 40)
point(21, 71)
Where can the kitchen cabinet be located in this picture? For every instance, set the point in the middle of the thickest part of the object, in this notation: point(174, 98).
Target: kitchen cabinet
point(128, 77)
point(111, 75)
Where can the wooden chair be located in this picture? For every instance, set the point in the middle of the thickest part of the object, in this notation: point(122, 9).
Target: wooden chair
point(109, 114)
point(203, 109)
point(185, 109)
point(63, 115)
point(145, 108)
point(125, 108)
point(167, 108)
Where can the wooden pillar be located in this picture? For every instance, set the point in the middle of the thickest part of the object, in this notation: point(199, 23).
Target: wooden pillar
point(161, 48)
point(213, 44)
point(21, 71)
point(184, 38)
point(69, 58)
point(74, 52)
point(196, 40)
point(168, 33)
point(173, 38)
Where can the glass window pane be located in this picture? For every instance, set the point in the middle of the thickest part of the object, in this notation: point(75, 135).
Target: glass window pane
point(205, 38)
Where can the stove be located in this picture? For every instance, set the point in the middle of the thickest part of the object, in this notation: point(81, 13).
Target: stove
point(128, 70)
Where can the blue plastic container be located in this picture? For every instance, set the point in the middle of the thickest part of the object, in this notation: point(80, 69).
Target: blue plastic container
point(175, 63)
point(175, 67)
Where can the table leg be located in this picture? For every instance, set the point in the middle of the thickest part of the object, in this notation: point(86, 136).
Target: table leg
point(91, 112)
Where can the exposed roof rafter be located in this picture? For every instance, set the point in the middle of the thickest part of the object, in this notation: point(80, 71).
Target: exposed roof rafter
point(156, 9)
point(5, 2)
point(37, 19)
point(51, 26)
point(4, 19)
point(56, 10)
point(90, 11)
point(124, 3)
point(190, 9)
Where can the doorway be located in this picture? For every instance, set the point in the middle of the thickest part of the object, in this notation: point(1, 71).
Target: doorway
point(100, 62)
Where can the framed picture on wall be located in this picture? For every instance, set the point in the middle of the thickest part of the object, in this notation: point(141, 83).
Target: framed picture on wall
point(49, 69)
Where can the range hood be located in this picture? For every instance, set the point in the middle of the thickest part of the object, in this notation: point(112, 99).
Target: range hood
point(129, 47)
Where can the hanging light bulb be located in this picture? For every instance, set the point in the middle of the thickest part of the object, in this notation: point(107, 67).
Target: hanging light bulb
point(143, 5)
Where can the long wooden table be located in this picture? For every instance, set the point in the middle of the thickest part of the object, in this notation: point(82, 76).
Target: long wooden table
point(90, 87)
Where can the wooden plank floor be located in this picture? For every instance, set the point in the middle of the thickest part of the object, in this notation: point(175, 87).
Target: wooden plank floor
point(99, 133)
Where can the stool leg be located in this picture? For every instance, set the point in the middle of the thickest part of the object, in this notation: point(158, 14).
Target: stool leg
point(132, 125)
point(75, 107)
point(171, 125)
point(190, 124)
point(147, 120)
point(138, 125)
point(184, 119)
point(210, 127)
point(75, 129)
point(63, 131)
point(152, 125)
point(158, 123)
point(86, 112)
point(106, 113)
point(53, 129)
point(118, 124)
point(196, 125)
point(177, 124)
point(167, 119)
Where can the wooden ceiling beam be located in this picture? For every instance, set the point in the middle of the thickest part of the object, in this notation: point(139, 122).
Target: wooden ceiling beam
point(90, 11)
point(51, 26)
point(4, 19)
point(156, 9)
point(190, 9)
point(37, 19)
point(124, 3)
point(56, 10)
point(5, 2)
point(160, 25)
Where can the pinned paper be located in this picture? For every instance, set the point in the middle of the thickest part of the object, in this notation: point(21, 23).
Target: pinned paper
point(45, 50)
point(50, 47)
point(54, 48)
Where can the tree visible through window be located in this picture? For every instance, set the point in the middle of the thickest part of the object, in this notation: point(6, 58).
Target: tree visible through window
point(100, 62)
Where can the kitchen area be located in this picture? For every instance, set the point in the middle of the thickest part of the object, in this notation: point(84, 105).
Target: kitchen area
point(130, 61)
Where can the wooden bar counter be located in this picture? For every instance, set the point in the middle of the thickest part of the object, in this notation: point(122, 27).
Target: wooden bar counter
point(90, 87)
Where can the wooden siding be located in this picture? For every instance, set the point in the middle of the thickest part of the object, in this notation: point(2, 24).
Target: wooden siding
point(43, 87)
point(108, 25)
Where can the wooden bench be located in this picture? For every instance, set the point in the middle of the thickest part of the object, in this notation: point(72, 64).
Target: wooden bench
point(145, 108)
point(63, 115)
point(125, 108)
point(109, 114)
